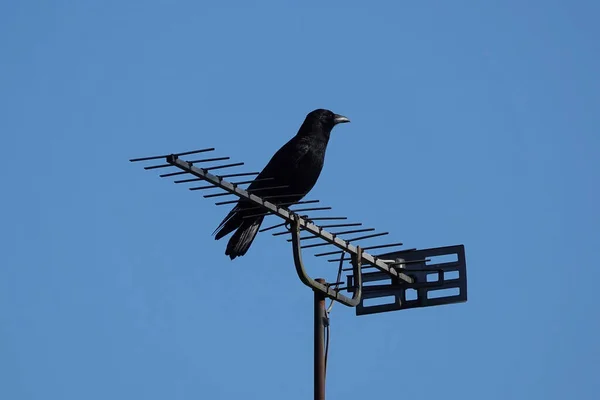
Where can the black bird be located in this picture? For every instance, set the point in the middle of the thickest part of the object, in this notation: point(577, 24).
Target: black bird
point(287, 178)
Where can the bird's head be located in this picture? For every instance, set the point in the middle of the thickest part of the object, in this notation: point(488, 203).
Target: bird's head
point(323, 120)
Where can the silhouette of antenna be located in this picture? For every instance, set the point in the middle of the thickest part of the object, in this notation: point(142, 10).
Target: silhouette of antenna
point(396, 280)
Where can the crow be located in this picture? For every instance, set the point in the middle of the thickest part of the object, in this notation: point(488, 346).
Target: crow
point(287, 178)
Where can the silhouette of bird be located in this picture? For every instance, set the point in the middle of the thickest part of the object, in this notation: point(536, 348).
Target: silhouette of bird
point(288, 177)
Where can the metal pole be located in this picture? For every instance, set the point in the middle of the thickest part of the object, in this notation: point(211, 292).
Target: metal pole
point(319, 333)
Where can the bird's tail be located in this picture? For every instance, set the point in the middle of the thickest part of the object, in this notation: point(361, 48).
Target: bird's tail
point(230, 223)
point(242, 238)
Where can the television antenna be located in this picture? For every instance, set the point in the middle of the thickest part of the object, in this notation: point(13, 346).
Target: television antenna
point(374, 283)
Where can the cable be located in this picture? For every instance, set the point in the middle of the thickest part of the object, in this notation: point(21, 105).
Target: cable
point(327, 332)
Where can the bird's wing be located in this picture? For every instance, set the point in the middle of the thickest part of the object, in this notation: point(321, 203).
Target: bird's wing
point(282, 165)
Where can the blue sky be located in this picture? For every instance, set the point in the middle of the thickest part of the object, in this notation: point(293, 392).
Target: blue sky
point(472, 122)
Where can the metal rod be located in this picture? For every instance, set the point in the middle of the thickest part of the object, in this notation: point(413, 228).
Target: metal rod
point(329, 253)
point(173, 174)
point(223, 166)
point(371, 266)
point(308, 246)
point(293, 203)
point(327, 218)
point(283, 195)
point(336, 233)
point(157, 166)
point(311, 237)
point(220, 203)
point(397, 252)
point(189, 180)
point(266, 188)
point(329, 226)
point(279, 205)
point(381, 246)
point(238, 174)
point(350, 269)
point(341, 225)
point(237, 183)
point(281, 233)
point(367, 236)
point(282, 224)
point(209, 160)
point(326, 290)
point(256, 215)
point(319, 343)
point(297, 210)
point(203, 187)
point(253, 180)
point(353, 231)
point(208, 196)
point(272, 227)
point(260, 208)
point(304, 209)
point(166, 155)
point(248, 190)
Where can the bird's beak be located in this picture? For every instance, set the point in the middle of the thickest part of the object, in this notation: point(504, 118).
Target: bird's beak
point(339, 119)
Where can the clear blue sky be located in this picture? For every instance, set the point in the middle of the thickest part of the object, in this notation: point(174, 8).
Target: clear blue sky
point(472, 122)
